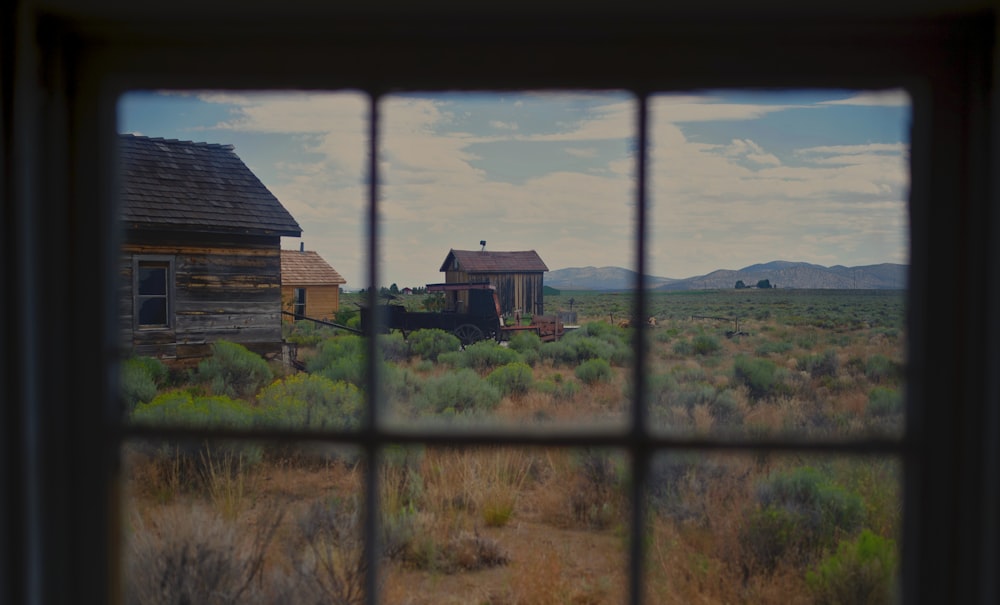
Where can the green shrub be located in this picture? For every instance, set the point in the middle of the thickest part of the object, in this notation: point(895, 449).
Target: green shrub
point(399, 386)
point(484, 356)
point(346, 369)
point(801, 513)
point(600, 329)
point(306, 333)
point(879, 368)
point(558, 389)
point(309, 401)
point(429, 344)
point(683, 348)
point(774, 348)
point(705, 344)
point(453, 359)
point(593, 371)
point(579, 346)
point(456, 393)
point(234, 371)
point(883, 402)
point(760, 376)
point(392, 347)
point(526, 341)
point(140, 378)
point(338, 347)
point(861, 571)
point(182, 409)
point(511, 379)
point(825, 364)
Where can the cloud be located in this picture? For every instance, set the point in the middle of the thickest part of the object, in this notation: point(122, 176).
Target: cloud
point(581, 152)
point(690, 108)
point(869, 148)
point(712, 206)
point(503, 125)
point(880, 98)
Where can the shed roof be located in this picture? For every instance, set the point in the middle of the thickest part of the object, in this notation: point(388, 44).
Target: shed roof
point(185, 186)
point(307, 268)
point(482, 261)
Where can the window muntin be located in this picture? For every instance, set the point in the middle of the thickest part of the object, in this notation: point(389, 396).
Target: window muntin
point(152, 292)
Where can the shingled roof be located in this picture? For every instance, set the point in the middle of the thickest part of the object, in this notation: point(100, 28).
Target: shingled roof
point(180, 185)
point(307, 268)
point(477, 261)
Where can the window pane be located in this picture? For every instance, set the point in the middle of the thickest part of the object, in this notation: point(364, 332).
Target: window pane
point(505, 525)
point(773, 529)
point(515, 201)
point(228, 209)
point(255, 522)
point(152, 280)
point(153, 311)
point(779, 227)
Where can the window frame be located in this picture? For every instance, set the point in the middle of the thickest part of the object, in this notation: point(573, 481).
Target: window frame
point(299, 302)
point(68, 71)
point(169, 296)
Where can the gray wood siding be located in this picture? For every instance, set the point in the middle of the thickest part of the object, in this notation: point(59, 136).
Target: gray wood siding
point(219, 293)
point(516, 291)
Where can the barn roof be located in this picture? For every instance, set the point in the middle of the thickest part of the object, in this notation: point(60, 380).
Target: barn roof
point(307, 268)
point(184, 186)
point(481, 261)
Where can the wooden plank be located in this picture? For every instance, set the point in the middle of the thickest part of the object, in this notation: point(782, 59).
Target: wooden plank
point(231, 321)
point(162, 351)
point(223, 307)
point(149, 337)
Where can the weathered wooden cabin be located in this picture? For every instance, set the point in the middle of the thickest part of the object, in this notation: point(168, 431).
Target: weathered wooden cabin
point(201, 253)
point(310, 287)
point(517, 276)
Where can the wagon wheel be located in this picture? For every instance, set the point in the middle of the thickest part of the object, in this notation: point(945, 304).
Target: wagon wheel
point(468, 334)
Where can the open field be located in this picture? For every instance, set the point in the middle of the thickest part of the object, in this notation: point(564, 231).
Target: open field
point(273, 524)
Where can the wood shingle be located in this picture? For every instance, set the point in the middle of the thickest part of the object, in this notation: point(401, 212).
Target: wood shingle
point(481, 261)
point(307, 268)
point(171, 185)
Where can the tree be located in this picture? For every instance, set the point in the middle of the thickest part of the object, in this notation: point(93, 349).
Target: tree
point(393, 289)
point(740, 285)
point(764, 284)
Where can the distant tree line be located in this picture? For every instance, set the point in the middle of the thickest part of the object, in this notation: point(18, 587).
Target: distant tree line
point(764, 284)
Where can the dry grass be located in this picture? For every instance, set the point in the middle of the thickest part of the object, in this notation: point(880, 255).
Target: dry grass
point(528, 526)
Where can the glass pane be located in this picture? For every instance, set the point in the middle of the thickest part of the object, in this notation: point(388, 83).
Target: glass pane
point(504, 525)
point(780, 218)
point(153, 311)
point(152, 280)
point(497, 207)
point(268, 201)
point(242, 523)
point(773, 529)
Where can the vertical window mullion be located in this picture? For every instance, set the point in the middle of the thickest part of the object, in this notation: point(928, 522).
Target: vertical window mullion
point(640, 437)
point(372, 441)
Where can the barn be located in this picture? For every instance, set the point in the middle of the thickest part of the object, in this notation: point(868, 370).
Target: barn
point(201, 253)
point(310, 287)
point(517, 276)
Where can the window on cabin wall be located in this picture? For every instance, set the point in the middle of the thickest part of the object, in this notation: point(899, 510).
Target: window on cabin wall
point(152, 288)
point(300, 303)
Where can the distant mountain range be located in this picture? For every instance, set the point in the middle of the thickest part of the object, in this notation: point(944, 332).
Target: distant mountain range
point(781, 274)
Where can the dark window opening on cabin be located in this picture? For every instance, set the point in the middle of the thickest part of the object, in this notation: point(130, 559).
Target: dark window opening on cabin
point(300, 303)
point(152, 294)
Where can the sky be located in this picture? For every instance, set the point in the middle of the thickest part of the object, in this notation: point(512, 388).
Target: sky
point(735, 177)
